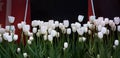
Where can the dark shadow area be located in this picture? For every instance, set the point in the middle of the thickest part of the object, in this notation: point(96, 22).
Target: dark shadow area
point(58, 9)
point(107, 8)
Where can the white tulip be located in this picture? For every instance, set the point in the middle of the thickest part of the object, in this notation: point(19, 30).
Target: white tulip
point(64, 30)
point(18, 50)
point(56, 23)
point(45, 37)
point(92, 18)
point(66, 23)
point(118, 28)
point(29, 42)
point(111, 23)
point(43, 29)
point(61, 25)
point(19, 25)
point(68, 31)
point(99, 27)
point(25, 55)
point(11, 19)
point(113, 27)
point(85, 25)
point(100, 35)
point(9, 38)
point(31, 38)
point(26, 28)
point(106, 20)
point(85, 29)
point(65, 45)
point(77, 25)
point(50, 38)
point(2, 30)
point(34, 30)
point(38, 34)
point(102, 23)
point(84, 39)
point(103, 30)
point(51, 21)
point(80, 31)
point(23, 23)
point(80, 18)
point(116, 20)
point(53, 33)
point(116, 42)
point(30, 34)
point(98, 56)
point(15, 37)
point(12, 28)
point(35, 23)
point(74, 29)
point(5, 36)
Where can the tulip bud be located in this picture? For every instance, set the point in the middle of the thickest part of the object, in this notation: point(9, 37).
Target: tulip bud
point(80, 18)
point(11, 19)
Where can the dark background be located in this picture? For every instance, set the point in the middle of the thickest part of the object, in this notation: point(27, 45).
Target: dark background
point(107, 8)
point(58, 9)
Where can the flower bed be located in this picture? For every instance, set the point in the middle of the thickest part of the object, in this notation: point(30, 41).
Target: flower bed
point(98, 38)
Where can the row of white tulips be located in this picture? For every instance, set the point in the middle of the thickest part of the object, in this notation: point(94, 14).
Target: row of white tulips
point(99, 27)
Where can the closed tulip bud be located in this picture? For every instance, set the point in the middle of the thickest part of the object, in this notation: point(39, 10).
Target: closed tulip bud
point(31, 38)
point(56, 23)
point(11, 19)
point(118, 28)
point(98, 56)
point(15, 37)
point(80, 31)
point(26, 28)
point(100, 35)
point(34, 30)
point(25, 55)
point(116, 20)
point(9, 38)
point(77, 25)
point(80, 18)
point(66, 23)
point(5, 35)
point(29, 42)
point(65, 45)
point(12, 28)
point(99, 27)
point(106, 20)
point(68, 31)
point(92, 18)
point(45, 37)
point(43, 29)
point(50, 38)
point(84, 39)
point(116, 42)
point(53, 33)
point(19, 25)
point(2, 30)
point(18, 50)
point(104, 30)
